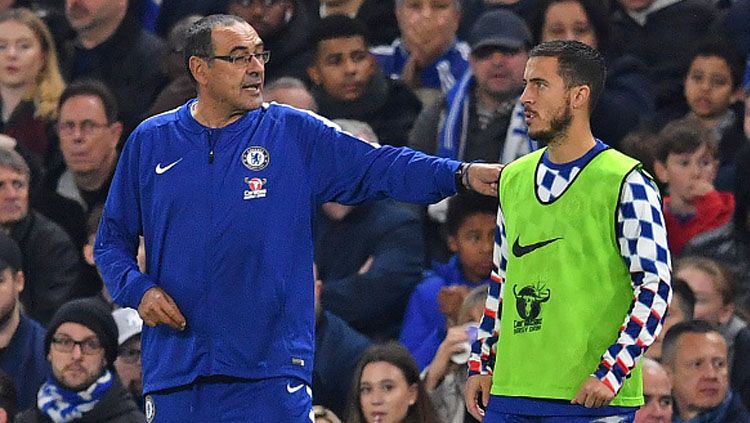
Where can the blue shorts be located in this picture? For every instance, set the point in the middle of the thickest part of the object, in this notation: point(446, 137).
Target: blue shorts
point(223, 399)
point(495, 417)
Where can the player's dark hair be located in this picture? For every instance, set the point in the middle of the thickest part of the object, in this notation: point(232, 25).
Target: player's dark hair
point(464, 205)
point(578, 64)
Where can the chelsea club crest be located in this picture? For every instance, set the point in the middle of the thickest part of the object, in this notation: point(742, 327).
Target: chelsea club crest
point(255, 158)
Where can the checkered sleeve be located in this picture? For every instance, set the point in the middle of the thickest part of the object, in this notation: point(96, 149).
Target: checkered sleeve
point(643, 244)
point(482, 359)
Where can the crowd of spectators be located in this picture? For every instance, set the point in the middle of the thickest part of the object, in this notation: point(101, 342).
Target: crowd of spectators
point(396, 283)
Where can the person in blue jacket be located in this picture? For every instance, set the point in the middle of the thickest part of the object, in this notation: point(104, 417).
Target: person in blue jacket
point(223, 191)
point(436, 301)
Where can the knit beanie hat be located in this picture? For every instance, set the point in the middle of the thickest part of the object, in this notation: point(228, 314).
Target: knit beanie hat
point(93, 314)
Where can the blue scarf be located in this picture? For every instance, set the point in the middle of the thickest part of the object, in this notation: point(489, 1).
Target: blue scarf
point(63, 405)
point(453, 133)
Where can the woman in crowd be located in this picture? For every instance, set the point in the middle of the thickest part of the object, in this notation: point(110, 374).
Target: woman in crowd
point(30, 83)
point(387, 388)
point(627, 99)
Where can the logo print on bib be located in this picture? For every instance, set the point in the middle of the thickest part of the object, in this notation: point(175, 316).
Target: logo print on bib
point(255, 158)
point(529, 301)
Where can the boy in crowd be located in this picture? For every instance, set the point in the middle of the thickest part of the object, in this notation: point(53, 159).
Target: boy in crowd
point(437, 299)
point(713, 91)
point(686, 161)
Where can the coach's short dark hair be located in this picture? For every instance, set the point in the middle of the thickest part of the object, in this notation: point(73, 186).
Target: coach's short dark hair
point(672, 337)
point(338, 26)
point(94, 88)
point(578, 64)
point(198, 37)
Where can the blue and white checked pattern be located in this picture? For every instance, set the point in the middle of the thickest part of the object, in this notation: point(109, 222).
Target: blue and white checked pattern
point(552, 182)
point(643, 245)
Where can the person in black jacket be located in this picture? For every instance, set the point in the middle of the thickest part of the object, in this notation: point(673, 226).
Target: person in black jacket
point(51, 263)
point(81, 346)
point(695, 357)
point(348, 84)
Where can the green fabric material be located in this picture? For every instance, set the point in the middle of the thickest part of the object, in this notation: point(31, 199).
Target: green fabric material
point(564, 301)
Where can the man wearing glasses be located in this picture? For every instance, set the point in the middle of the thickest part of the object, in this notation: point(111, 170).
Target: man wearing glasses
point(81, 347)
point(89, 131)
point(223, 190)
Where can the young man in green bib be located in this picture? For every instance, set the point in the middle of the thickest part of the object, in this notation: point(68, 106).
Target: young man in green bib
point(582, 269)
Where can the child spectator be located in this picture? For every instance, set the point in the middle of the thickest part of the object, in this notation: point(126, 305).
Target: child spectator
point(445, 377)
point(686, 161)
point(713, 91)
point(471, 233)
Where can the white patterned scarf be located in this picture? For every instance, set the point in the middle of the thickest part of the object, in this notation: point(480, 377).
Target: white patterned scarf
point(64, 405)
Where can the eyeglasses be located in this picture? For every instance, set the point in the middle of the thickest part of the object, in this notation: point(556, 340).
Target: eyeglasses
point(245, 59)
point(87, 127)
point(129, 355)
point(89, 346)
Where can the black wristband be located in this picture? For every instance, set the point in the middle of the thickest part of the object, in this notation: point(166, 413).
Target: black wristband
point(459, 176)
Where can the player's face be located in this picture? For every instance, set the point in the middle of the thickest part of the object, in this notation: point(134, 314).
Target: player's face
point(343, 67)
point(235, 87)
point(474, 242)
point(657, 394)
point(708, 87)
point(709, 305)
point(567, 20)
point(76, 370)
point(384, 394)
point(700, 374)
point(545, 98)
point(498, 72)
point(687, 172)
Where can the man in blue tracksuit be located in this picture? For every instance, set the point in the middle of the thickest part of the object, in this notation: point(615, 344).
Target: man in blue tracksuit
point(223, 191)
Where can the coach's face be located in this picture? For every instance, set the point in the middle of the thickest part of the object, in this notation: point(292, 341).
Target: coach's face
point(234, 86)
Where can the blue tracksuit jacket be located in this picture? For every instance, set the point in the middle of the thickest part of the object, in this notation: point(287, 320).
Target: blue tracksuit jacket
point(226, 217)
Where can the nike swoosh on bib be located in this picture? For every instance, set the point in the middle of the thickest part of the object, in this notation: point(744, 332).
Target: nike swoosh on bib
point(521, 250)
point(160, 169)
